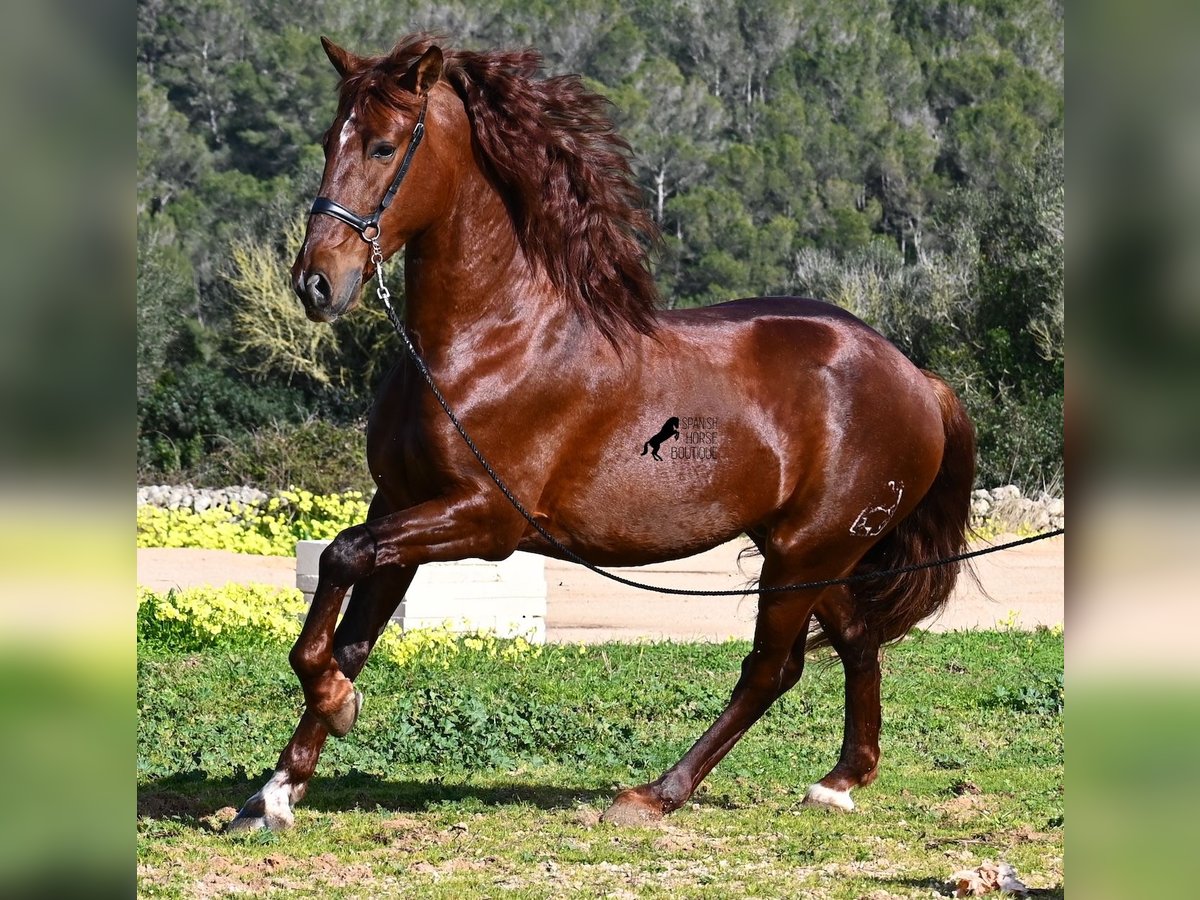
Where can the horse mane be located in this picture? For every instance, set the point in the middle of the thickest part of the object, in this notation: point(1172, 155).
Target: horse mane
point(563, 171)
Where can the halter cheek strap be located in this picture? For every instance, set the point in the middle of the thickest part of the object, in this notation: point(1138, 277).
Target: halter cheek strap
point(368, 226)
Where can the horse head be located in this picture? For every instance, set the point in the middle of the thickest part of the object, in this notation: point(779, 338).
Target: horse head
point(377, 190)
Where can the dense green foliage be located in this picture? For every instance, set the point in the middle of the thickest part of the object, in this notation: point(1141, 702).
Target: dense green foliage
point(901, 158)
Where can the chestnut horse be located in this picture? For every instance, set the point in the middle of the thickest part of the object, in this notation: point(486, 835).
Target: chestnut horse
point(528, 293)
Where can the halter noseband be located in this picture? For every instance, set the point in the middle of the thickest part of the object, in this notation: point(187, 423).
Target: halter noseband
point(370, 223)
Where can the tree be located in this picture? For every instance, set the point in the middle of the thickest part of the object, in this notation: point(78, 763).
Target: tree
point(200, 42)
point(170, 159)
point(275, 340)
point(672, 125)
point(165, 290)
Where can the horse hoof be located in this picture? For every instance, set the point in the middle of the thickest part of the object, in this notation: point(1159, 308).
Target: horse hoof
point(827, 797)
point(340, 723)
point(245, 824)
point(631, 809)
point(270, 808)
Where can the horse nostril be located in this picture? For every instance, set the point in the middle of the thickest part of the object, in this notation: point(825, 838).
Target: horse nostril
point(316, 290)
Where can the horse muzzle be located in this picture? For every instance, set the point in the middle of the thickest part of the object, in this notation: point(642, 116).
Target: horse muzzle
point(323, 301)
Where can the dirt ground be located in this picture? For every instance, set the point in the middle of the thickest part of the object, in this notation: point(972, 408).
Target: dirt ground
point(1022, 587)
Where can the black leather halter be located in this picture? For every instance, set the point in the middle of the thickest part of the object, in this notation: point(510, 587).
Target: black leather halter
point(365, 224)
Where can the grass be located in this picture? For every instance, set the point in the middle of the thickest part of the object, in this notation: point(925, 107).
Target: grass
point(483, 777)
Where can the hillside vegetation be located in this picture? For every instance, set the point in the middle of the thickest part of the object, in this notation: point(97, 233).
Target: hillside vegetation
point(902, 158)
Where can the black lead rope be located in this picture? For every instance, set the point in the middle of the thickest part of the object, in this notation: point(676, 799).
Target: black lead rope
point(576, 558)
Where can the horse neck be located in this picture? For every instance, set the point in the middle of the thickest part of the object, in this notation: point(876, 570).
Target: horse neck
point(467, 275)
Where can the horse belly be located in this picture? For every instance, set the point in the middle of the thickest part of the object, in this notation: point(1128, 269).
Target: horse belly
point(689, 493)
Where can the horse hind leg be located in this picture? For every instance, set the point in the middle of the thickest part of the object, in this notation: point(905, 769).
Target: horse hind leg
point(858, 648)
point(773, 665)
point(371, 606)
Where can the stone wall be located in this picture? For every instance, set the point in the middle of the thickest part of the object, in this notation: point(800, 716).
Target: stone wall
point(184, 496)
point(998, 510)
point(1005, 509)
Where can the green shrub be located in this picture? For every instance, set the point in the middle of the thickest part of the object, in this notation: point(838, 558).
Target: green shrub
point(1044, 697)
point(271, 529)
point(194, 410)
point(1020, 440)
point(315, 455)
point(235, 616)
point(261, 616)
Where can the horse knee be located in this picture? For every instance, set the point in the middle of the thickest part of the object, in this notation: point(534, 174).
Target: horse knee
point(349, 557)
point(305, 660)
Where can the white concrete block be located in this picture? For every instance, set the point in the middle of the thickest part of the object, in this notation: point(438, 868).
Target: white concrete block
point(508, 597)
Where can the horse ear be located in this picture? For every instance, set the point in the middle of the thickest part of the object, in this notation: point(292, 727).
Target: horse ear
point(425, 72)
point(343, 60)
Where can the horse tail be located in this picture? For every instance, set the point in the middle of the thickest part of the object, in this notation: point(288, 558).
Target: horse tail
point(645, 448)
point(938, 528)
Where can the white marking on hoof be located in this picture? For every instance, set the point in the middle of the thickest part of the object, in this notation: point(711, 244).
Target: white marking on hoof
point(819, 795)
point(270, 808)
point(277, 799)
point(245, 823)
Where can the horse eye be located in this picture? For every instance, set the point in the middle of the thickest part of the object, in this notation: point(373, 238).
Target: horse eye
point(384, 151)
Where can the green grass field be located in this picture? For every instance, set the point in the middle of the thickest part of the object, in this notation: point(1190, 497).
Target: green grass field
point(476, 776)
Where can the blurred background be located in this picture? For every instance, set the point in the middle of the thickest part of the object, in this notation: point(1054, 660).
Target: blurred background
point(67, 253)
point(1133, 661)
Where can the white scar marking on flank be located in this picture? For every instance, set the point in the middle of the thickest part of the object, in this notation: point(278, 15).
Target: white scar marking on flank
point(872, 520)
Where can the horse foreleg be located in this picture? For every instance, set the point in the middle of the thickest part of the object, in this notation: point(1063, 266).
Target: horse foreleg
point(858, 763)
point(773, 666)
point(371, 606)
point(430, 532)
